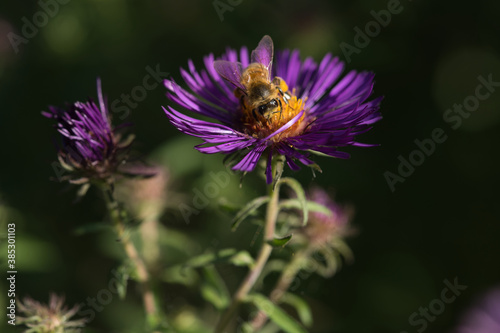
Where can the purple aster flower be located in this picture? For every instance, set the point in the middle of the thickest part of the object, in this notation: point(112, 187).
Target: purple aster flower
point(91, 148)
point(292, 108)
point(484, 317)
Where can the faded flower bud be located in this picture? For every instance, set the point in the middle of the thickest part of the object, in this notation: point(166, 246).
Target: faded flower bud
point(51, 318)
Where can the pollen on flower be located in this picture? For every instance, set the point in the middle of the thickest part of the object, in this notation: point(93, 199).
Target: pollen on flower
point(261, 126)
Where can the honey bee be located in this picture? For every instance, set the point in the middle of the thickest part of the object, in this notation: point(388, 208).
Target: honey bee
point(254, 87)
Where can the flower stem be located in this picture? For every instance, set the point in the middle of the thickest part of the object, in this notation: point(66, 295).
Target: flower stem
point(143, 277)
point(284, 282)
point(263, 256)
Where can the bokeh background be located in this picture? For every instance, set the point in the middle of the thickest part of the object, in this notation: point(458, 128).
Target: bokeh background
point(442, 222)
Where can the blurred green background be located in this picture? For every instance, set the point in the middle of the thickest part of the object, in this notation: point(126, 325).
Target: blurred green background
point(442, 222)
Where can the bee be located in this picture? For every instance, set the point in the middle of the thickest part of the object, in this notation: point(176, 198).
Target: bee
point(254, 87)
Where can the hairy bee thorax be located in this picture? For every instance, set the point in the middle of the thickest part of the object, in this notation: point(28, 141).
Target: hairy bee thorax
point(255, 72)
point(262, 119)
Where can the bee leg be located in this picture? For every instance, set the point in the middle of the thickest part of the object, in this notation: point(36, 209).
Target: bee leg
point(282, 88)
point(281, 108)
point(254, 114)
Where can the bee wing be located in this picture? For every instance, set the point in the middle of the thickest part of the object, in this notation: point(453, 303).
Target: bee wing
point(231, 71)
point(263, 54)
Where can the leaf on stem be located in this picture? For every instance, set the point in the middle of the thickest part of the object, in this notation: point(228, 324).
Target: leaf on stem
point(181, 275)
point(91, 228)
point(213, 289)
point(312, 206)
point(301, 306)
point(232, 256)
point(280, 242)
point(228, 207)
point(275, 313)
point(248, 209)
point(122, 275)
point(301, 196)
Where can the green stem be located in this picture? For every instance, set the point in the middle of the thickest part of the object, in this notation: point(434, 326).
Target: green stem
point(284, 282)
point(143, 277)
point(263, 256)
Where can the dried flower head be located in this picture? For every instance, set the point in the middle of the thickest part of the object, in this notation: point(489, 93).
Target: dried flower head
point(292, 108)
point(323, 228)
point(322, 239)
point(51, 318)
point(146, 197)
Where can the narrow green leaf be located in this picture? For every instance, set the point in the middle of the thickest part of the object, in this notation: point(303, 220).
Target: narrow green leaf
point(344, 250)
point(247, 210)
point(176, 246)
point(242, 258)
point(213, 288)
point(228, 207)
point(279, 242)
point(122, 275)
point(318, 153)
point(232, 256)
point(301, 196)
point(330, 263)
point(312, 206)
point(275, 313)
point(275, 265)
point(210, 294)
point(301, 306)
point(210, 258)
point(91, 228)
point(182, 275)
point(270, 327)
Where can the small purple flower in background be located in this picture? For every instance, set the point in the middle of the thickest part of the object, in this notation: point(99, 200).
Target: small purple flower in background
point(291, 109)
point(322, 228)
point(322, 240)
point(51, 318)
point(484, 317)
point(92, 150)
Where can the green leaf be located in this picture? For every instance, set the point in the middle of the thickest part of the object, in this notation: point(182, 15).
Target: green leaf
point(209, 258)
point(181, 275)
point(301, 306)
point(276, 265)
point(330, 264)
point(213, 288)
point(176, 246)
point(122, 275)
point(228, 207)
point(301, 196)
point(247, 210)
point(343, 249)
point(275, 313)
point(312, 206)
point(91, 228)
point(242, 258)
point(318, 153)
point(232, 256)
point(279, 242)
point(270, 327)
point(211, 295)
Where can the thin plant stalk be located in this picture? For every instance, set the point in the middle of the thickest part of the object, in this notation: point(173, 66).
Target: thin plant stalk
point(286, 279)
point(262, 258)
point(143, 277)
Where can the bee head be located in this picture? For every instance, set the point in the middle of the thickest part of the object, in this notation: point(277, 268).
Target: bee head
point(270, 106)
